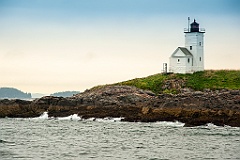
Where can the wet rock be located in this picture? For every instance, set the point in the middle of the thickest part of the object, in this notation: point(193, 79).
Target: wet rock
point(220, 107)
point(17, 108)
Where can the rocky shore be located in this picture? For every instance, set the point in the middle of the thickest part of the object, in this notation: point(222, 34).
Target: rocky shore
point(220, 107)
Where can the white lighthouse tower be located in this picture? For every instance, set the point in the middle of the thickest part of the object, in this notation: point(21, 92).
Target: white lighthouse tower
point(190, 58)
point(195, 44)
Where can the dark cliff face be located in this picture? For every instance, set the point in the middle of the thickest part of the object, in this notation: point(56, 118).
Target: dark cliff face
point(193, 108)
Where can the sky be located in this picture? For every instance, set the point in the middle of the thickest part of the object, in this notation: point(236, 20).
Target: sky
point(48, 46)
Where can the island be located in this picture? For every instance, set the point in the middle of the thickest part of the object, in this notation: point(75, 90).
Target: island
point(211, 96)
point(7, 92)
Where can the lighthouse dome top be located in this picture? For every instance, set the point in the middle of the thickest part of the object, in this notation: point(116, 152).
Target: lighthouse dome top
point(194, 26)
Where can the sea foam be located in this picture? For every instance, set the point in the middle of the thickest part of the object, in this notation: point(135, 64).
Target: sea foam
point(74, 117)
point(170, 124)
point(106, 119)
point(41, 117)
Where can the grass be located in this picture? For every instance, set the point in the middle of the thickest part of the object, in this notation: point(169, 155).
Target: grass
point(209, 79)
point(153, 82)
point(220, 79)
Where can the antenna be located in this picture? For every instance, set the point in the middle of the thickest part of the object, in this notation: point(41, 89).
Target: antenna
point(188, 24)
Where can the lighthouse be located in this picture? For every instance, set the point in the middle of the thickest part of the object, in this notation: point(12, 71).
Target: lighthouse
point(189, 59)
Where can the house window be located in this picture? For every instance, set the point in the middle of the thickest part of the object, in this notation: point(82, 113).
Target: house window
point(178, 60)
point(200, 59)
point(188, 60)
point(200, 43)
point(190, 47)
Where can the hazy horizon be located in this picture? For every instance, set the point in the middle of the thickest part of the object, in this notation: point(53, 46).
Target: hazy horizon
point(63, 45)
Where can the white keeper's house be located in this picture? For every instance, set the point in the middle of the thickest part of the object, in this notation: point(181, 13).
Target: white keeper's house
point(190, 58)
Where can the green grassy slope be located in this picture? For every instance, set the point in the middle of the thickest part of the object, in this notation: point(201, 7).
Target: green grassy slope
point(209, 79)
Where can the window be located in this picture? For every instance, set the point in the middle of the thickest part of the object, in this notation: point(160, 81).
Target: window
point(200, 59)
point(190, 47)
point(178, 60)
point(200, 43)
point(188, 60)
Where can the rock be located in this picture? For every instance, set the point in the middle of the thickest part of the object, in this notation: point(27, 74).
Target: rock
point(186, 90)
point(145, 110)
point(193, 108)
point(235, 92)
point(173, 84)
point(17, 108)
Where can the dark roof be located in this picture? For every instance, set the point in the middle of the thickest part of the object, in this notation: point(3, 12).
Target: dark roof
point(185, 51)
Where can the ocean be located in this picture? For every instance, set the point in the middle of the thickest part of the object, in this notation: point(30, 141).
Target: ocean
point(71, 138)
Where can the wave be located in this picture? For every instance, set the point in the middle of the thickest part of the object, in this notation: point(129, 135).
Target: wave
point(75, 117)
point(170, 124)
point(211, 125)
point(71, 117)
point(106, 119)
point(41, 117)
point(2, 141)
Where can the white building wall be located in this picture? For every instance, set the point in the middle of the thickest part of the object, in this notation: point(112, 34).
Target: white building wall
point(195, 44)
point(181, 65)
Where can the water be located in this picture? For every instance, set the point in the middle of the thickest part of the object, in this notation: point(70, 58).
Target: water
point(109, 139)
